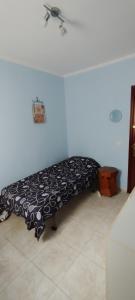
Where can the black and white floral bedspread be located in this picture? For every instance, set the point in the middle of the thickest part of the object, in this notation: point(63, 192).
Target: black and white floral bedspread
point(39, 196)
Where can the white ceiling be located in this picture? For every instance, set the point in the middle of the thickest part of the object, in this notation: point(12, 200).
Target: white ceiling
point(98, 31)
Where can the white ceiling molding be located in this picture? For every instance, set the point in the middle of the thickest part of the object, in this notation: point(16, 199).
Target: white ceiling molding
point(28, 65)
point(101, 65)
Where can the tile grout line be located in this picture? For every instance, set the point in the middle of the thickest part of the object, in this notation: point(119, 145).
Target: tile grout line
point(52, 280)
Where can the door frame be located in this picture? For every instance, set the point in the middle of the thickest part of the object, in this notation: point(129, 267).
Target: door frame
point(132, 109)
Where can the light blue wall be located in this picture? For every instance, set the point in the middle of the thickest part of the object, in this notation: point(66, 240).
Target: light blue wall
point(26, 147)
point(90, 97)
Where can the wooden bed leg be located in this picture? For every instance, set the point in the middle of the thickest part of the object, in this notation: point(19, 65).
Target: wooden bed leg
point(54, 225)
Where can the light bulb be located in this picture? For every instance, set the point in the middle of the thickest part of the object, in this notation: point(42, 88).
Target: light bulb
point(62, 28)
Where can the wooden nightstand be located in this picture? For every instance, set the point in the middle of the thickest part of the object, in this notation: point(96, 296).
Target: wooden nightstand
point(108, 181)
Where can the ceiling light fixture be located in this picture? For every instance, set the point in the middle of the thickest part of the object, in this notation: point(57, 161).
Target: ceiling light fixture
point(46, 17)
point(55, 12)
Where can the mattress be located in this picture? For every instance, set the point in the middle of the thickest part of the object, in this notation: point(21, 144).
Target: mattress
point(39, 196)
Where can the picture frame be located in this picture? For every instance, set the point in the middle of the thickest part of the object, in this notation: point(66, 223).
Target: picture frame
point(38, 111)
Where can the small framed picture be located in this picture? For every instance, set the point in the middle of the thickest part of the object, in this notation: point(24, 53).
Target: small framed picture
point(38, 110)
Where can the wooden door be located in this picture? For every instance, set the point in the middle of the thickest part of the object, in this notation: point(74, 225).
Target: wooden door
point(131, 165)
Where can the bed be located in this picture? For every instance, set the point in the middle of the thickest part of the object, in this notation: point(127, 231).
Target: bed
point(38, 197)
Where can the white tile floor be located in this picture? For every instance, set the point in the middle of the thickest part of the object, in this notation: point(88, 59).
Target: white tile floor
point(65, 265)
